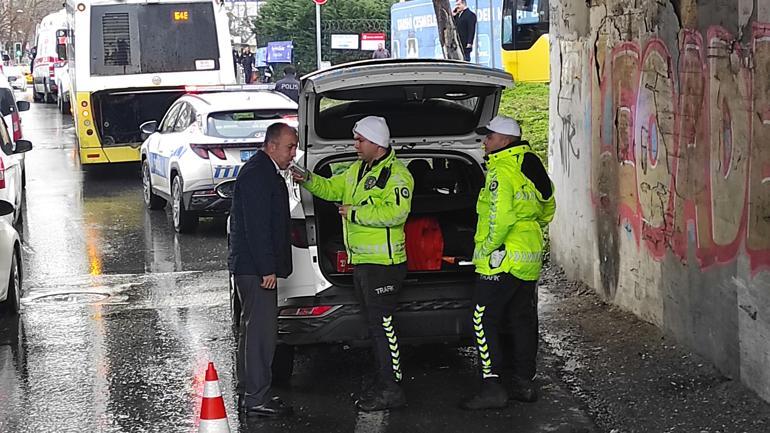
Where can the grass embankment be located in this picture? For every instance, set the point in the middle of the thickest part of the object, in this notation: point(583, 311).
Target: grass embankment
point(528, 104)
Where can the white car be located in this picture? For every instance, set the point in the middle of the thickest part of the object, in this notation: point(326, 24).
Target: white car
point(433, 109)
point(204, 139)
point(16, 78)
point(11, 162)
point(10, 109)
point(10, 263)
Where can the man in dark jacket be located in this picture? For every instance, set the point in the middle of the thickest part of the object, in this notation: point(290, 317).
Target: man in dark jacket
point(465, 22)
point(260, 252)
point(289, 85)
point(247, 61)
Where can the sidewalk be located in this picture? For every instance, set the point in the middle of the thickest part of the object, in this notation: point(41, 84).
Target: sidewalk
point(630, 376)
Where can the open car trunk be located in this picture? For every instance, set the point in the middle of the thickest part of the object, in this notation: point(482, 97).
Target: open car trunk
point(442, 219)
point(118, 114)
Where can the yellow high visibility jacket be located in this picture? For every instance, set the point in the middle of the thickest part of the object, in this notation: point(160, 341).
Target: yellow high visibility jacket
point(512, 212)
point(381, 200)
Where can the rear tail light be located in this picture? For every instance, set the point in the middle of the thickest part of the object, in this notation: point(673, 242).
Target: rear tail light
point(16, 121)
point(200, 150)
point(2, 174)
point(218, 152)
point(342, 263)
point(299, 233)
point(50, 71)
point(307, 311)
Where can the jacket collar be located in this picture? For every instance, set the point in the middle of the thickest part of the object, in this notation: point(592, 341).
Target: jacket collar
point(387, 157)
point(516, 148)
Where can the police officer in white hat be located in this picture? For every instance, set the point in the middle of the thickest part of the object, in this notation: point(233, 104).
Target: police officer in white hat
point(376, 197)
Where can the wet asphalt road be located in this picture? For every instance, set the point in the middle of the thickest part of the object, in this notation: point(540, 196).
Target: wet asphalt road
point(121, 315)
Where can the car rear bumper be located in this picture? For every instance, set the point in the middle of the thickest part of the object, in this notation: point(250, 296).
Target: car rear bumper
point(418, 321)
point(206, 202)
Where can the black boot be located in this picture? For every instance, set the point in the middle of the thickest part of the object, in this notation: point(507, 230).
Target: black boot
point(369, 383)
point(492, 395)
point(524, 390)
point(382, 396)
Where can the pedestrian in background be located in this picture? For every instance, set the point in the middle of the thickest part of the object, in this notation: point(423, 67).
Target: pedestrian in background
point(260, 253)
point(376, 197)
point(514, 206)
point(465, 23)
point(289, 85)
point(381, 52)
point(236, 62)
point(247, 62)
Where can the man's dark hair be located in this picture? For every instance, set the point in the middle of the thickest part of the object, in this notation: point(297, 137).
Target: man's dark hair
point(274, 132)
point(289, 70)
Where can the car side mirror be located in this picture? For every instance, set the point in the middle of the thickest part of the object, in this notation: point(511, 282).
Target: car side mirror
point(6, 208)
point(22, 146)
point(226, 189)
point(149, 127)
point(22, 105)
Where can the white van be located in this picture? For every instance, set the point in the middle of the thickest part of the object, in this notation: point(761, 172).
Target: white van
point(50, 57)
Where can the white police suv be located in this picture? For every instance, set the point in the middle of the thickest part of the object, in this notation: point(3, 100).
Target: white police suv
point(204, 139)
point(433, 108)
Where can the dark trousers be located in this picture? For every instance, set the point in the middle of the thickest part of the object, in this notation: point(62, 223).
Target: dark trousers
point(504, 304)
point(247, 73)
point(257, 338)
point(467, 54)
point(376, 288)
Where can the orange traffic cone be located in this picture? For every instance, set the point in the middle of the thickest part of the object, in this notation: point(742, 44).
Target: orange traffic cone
point(213, 415)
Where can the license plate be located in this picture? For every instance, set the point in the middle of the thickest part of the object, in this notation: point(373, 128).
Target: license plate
point(246, 154)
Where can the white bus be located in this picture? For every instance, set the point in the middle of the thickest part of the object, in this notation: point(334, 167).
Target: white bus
point(130, 59)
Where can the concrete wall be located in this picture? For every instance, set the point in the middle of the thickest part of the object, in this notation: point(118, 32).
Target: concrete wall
point(660, 151)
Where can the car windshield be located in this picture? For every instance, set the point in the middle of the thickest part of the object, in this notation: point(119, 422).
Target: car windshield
point(12, 71)
point(245, 123)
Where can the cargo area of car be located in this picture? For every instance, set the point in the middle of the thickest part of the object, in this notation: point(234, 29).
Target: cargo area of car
point(440, 227)
point(118, 115)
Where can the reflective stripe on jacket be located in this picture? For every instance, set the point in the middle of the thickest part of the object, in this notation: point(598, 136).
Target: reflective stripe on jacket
point(381, 201)
point(511, 216)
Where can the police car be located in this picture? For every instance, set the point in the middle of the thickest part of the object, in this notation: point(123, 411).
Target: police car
point(204, 139)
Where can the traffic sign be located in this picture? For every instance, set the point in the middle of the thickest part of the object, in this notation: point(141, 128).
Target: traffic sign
point(320, 2)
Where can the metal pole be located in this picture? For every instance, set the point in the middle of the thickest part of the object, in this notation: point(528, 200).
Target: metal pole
point(492, 42)
point(318, 33)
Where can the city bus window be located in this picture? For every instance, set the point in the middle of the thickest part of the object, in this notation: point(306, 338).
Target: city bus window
point(153, 38)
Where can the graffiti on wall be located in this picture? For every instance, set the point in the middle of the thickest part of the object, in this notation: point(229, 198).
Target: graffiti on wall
point(684, 150)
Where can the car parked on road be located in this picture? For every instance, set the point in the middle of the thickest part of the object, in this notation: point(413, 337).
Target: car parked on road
point(10, 262)
point(433, 109)
point(16, 78)
point(203, 139)
point(12, 149)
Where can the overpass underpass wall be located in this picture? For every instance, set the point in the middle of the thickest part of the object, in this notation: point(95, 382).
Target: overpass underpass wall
point(660, 152)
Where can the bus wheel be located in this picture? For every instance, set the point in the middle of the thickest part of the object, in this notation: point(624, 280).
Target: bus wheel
point(184, 220)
